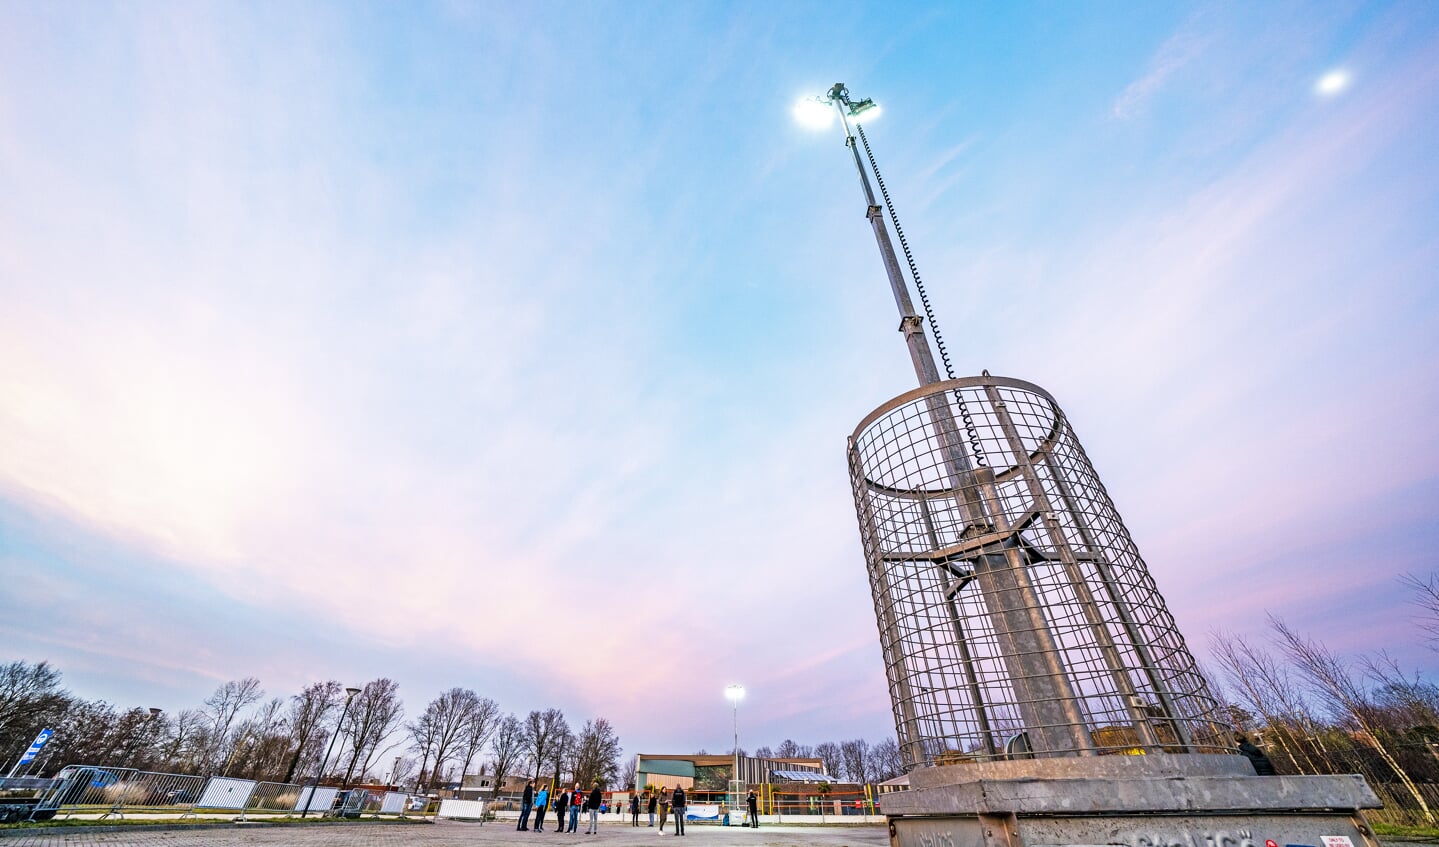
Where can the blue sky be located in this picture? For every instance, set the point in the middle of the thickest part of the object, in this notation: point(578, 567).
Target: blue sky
point(515, 346)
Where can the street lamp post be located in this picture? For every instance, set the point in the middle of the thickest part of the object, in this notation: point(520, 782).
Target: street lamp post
point(310, 798)
point(735, 693)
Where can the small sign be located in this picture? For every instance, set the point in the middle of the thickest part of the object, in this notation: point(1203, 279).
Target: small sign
point(40, 741)
point(1336, 841)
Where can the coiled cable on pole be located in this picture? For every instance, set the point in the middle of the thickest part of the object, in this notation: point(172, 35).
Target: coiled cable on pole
point(969, 429)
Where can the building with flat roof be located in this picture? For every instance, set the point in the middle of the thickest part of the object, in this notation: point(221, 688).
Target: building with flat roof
point(711, 774)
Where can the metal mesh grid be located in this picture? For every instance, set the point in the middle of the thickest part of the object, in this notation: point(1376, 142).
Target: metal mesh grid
point(1016, 616)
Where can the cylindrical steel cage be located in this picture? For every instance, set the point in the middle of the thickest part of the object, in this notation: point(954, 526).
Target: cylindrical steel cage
point(1015, 614)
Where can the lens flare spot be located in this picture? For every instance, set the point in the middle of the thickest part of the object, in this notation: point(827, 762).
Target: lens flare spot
point(1333, 83)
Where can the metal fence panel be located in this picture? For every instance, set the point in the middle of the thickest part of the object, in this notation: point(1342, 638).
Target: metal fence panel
point(274, 797)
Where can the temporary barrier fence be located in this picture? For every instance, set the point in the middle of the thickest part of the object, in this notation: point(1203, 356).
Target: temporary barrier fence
point(114, 792)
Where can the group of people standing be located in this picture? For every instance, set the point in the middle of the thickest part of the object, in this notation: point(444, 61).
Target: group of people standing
point(663, 803)
point(572, 800)
point(538, 801)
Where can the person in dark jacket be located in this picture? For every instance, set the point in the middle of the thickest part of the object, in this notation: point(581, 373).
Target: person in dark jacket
point(679, 806)
point(1256, 757)
point(635, 810)
point(527, 802)
point(753, 802)
point(562, 803)
point(653, 803)
point(593, 804)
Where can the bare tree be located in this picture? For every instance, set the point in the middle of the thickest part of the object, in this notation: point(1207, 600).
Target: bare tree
point(374, 715)
point(764, 753)
point(828, 753)
point(628, 773)
point(484, 718)
point(308, 711)
point(29, 696)
point(423, 732)
point(509, 748)
point(855, 754)
point(1426, 597)
point(885, 760)
point(788, 749)
point(222, 707)
point(1347, 697)
point(1265, 686)
point(254, 751)
point(542, 731)
point(442, 727)
point(564, 751)
point(597, 753)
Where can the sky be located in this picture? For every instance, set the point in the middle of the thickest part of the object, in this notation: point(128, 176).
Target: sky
point(515, 346)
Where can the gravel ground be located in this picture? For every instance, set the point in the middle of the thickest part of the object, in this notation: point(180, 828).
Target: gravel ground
point(455, 834)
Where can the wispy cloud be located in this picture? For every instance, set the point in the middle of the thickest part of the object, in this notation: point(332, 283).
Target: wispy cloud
point(1173, 56)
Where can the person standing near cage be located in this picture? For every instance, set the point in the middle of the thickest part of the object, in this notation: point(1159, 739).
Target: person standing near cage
point(1256, 757)
point(664, 809)
point(651, 801)
point(753, 802)
point(562, 802)
point(678, 802)
point(577, 800)
point(593, 805)
point(542, 804)
point(527, 802)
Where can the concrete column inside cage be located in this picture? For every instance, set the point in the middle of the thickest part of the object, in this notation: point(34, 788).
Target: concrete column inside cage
point(1039, 633)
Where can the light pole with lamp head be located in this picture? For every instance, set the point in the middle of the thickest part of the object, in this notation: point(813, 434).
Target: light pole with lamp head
point(735, 693)
point(310, 798)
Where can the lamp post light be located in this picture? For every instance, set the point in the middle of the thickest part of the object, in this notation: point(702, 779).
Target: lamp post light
point(140, 734)
point(735, 693)
point(310, 798)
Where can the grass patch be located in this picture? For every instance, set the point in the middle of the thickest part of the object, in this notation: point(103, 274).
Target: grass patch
point(1394, 830)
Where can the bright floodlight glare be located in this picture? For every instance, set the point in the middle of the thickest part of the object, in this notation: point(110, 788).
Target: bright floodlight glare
point(734, 692)
point(867, 114)
point(1332, 83)
point(813, 113)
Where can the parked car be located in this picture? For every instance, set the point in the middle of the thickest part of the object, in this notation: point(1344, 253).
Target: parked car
point(79, 780)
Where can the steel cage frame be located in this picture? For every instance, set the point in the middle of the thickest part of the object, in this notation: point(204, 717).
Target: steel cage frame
point(1016, 616)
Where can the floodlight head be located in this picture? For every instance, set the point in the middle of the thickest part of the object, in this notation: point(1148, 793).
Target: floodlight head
point(866, 109)
point(734, 693)
point(352, 691)
point(814, 112)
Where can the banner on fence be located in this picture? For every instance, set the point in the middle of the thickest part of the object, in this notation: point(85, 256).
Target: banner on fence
point(702, 812)
point(221, 792)
point(324, 799)
point(394, 803)
point(472, 809)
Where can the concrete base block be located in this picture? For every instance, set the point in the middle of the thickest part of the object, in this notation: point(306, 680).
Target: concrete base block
point(1149, 801)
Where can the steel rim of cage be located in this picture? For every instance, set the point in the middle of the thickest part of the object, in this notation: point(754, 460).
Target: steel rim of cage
point(1034, 631)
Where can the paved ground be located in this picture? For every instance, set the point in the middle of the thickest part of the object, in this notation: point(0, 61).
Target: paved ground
point(454, 834)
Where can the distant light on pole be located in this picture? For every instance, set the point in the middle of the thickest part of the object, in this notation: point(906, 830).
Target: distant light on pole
point(735, 693)
point(818, 112)
point(349, 695)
